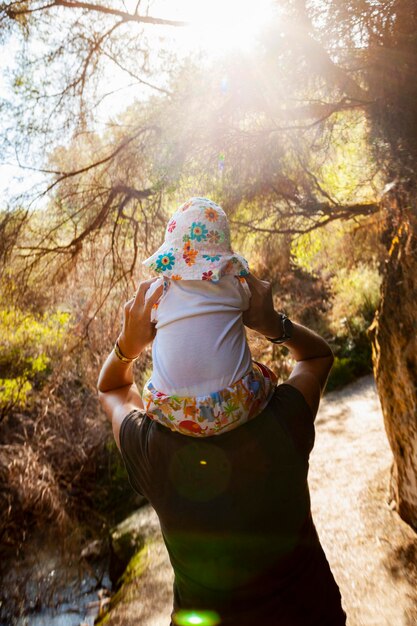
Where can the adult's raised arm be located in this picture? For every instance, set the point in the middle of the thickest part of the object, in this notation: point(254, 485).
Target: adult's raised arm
point(312, 353)
point(117, 391)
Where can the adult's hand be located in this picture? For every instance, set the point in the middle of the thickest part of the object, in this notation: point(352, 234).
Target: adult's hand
point(118, 393)
point(138, 331)
point(312, 353)
point(261, 315)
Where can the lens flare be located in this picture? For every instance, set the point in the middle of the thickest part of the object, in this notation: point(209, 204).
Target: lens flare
point(196, 618)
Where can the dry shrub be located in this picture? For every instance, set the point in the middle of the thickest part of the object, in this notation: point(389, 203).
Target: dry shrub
point(58, 461)
point(32, 485)
point(62, 482)
point(48, 463)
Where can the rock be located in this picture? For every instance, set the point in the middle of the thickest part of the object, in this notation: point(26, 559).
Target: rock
point(93, 550)
point(129, 537)
point(394, 343)
point(144, 589)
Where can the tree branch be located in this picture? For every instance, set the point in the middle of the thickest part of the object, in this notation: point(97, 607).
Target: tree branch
point(122, 146)
point(22, 9)
point(320, 60)
point(76, 243)
point(316, 111)
point(135, 76)
point(311, 210)
point(126, 17)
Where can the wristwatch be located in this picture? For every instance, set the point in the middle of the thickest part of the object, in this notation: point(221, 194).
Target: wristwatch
point(287, 329)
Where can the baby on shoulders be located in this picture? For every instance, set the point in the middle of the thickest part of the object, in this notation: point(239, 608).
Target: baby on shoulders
point(204, 381)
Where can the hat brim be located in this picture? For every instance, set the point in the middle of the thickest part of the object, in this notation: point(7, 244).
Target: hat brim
point(171, 263)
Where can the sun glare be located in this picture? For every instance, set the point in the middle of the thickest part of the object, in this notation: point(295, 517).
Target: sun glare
point(221, 26)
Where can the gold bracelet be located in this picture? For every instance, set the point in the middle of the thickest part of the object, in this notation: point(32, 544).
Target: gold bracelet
point(121, 356)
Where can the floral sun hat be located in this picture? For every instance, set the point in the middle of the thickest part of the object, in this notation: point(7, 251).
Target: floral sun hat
point(197, 245)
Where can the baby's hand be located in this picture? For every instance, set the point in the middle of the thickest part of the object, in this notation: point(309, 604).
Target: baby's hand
point(261, 315)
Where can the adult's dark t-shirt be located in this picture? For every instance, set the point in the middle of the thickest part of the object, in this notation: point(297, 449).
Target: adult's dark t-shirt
point(235, 514)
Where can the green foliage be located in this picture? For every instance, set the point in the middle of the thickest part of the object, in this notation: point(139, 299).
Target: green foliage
point(13, 392)
point(29, 343)
point(346, 255)
point(354, 359)
point(348, 172)
point(356, 294)
point(338, 245)
point(310, 250)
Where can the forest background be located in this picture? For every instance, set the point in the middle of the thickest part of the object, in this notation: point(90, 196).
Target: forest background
point(298, 117)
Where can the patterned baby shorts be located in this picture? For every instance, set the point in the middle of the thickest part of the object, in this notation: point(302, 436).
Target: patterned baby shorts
point(215, 413)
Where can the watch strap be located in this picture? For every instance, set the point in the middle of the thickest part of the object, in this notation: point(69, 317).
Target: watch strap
point(285, 336)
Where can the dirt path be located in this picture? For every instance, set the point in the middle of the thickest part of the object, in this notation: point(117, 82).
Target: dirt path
point(373, 554)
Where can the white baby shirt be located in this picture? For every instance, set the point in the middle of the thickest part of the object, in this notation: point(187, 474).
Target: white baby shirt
point(200, 345)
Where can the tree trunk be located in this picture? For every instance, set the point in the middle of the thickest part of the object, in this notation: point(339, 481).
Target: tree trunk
point(394, 344)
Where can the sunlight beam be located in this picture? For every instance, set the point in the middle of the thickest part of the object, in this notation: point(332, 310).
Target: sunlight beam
point(220, 26)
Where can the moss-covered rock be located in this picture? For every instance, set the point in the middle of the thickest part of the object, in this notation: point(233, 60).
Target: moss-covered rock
point(144, 587)
point(127, 539)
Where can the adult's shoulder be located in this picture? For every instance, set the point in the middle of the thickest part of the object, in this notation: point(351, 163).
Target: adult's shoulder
point(308, 386)
point(130, 429)
point(131, 438)
point(296, 415)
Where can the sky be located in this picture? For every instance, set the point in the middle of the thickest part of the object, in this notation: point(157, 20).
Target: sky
point(215, 26)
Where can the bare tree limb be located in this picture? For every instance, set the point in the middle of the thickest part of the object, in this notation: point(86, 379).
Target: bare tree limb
point(135, 76)
point(125, 142)
point(75, 244)
point(311, 211)
point(320, 60)
point(97, 8)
